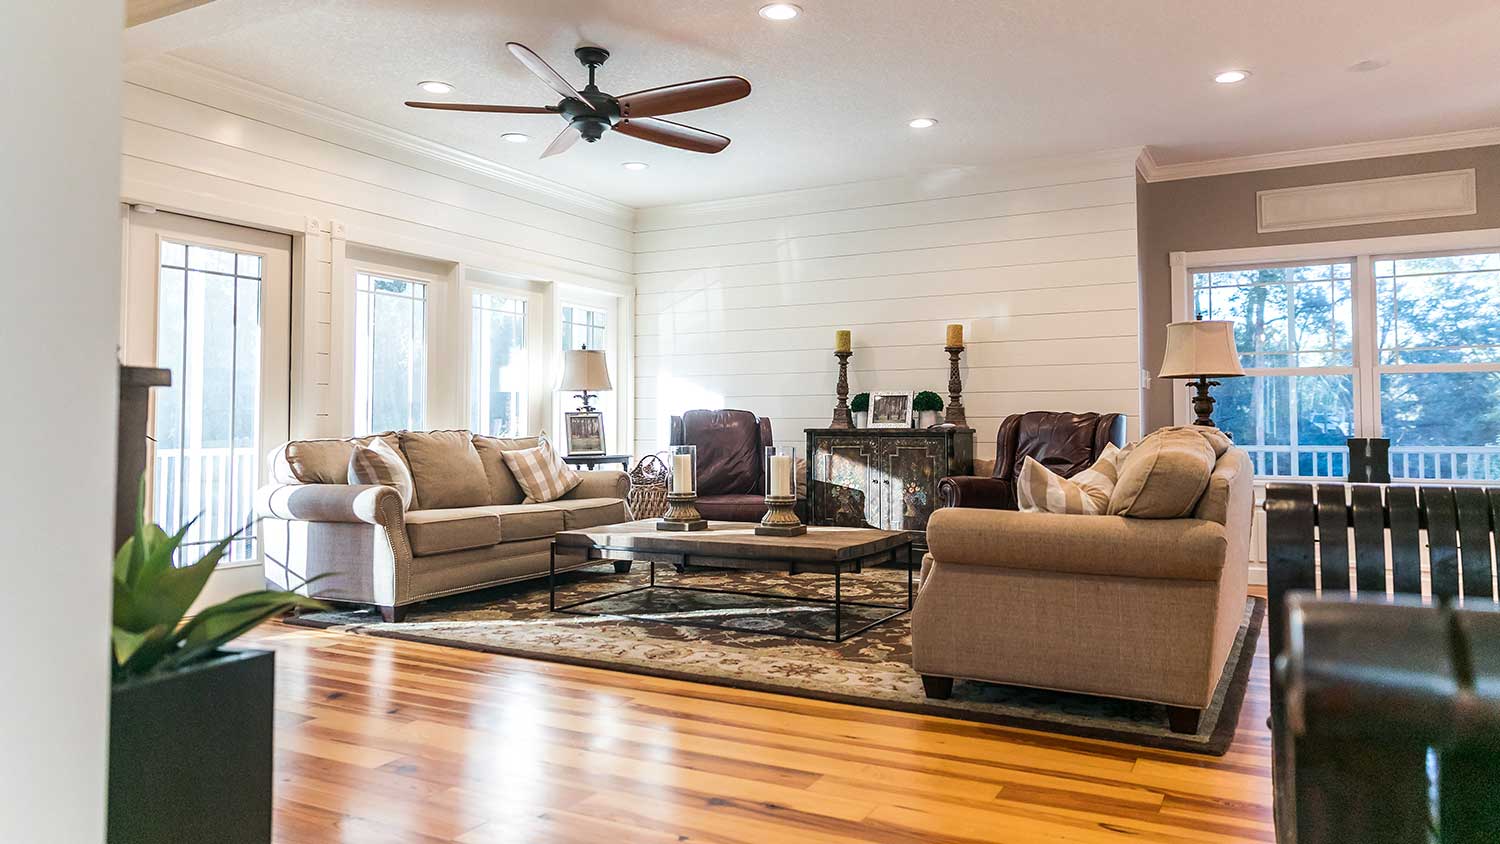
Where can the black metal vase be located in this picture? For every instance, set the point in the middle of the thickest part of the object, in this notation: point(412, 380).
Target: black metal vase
point(190, 753)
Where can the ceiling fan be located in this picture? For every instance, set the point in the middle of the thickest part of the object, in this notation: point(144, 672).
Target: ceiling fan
point(590, 112)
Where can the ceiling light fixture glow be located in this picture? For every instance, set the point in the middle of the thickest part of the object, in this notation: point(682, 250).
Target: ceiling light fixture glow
point(635, 165)
point(1229, 77)
point(432, 86)
point(922, 123)
point(515, 138)
point(780, 11)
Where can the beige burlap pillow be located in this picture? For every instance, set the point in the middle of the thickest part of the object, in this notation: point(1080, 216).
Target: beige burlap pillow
point(379, 463)
point(541, 473)
point(446, 468)
point(1040, 490)
point(1163, 476)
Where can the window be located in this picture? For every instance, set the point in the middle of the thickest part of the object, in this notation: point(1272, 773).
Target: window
point(390, 353)
point(583, 327)
point(209, 335)
point(591, 326)
point(498, 365)
point(1405, 347)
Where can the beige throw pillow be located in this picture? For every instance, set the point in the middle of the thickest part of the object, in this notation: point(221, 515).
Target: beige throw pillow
point(378, 463)
point(541, 473)
point(446, 468)
point(1040, 490)
point(1163, 475)
point(503, 486)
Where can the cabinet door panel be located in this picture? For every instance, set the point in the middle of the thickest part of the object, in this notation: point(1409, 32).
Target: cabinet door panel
point(912, 468)
point(841, 475)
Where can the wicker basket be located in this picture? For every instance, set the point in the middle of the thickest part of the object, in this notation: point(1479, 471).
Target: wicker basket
point(647, 498)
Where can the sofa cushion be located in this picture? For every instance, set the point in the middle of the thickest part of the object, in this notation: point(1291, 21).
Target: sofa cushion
point(590, 512)
point(379, 464)
point(1163, 476)
point(503, 486)
point(440, 531)
point(732, 508)
point(1040, 490)
point(541, 473)
point(525, 521)
point(446, 468)
point(323, 461)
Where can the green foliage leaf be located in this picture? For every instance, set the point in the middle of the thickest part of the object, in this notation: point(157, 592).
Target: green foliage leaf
point(927, 400)
point(860, 403)
point(219, 624)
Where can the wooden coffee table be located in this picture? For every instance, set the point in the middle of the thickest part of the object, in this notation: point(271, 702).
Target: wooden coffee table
point(834, 551)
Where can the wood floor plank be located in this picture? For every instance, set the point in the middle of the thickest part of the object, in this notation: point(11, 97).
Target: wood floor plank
point(386, 741)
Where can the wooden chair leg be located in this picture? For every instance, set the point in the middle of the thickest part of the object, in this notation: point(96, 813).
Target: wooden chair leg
point(1183, 719)
point(393, 615)
point(938, 688)
point(622, 566)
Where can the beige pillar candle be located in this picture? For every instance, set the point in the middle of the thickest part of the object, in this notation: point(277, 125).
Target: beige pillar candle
point(955, 336)
point(682, 473)
point(781, 474)
point(842, 341)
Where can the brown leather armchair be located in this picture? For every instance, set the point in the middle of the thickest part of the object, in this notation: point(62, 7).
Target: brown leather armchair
point(1066, 443)
point(731, 447)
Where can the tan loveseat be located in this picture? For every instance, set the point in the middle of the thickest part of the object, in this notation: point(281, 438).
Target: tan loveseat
point(1137, 608)
point(369, 551)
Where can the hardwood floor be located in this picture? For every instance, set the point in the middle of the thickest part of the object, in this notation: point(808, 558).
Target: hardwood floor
point(384, 741)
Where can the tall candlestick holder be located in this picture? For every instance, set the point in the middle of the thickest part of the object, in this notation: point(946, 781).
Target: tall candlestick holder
point(842, 419)
point(781, 494)
point(682, 491)
point(954, 415)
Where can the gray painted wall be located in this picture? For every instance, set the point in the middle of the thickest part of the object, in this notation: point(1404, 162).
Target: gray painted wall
point(1218, 212)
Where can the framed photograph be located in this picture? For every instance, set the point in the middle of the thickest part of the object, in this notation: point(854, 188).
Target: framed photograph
point(585, 433)
point(890, 410)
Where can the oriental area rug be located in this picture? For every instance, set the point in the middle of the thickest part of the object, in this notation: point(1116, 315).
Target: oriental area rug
point(651, 632)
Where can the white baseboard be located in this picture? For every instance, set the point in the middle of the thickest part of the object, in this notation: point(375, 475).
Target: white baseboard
point(1257, 573)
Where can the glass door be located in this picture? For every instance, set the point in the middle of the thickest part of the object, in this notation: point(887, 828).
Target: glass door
point(211, 302)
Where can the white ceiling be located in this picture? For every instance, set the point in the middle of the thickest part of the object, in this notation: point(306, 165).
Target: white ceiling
point(833, 89)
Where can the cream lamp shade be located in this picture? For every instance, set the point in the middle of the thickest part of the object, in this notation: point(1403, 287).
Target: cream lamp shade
point(1200, 349)
point(585, 371)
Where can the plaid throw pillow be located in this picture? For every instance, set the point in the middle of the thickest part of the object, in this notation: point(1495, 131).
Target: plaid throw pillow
point(1040, 490)
point(378, 463)
point(541, 473)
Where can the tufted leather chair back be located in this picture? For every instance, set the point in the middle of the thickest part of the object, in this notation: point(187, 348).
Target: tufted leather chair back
point(729, 445)
point(1066, 443)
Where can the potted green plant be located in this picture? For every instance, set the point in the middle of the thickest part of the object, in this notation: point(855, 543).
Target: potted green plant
point(929, 408)
point(189, 723)
point(859, 406)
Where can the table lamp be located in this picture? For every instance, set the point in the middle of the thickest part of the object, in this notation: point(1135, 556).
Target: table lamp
point(585, 371)
point(1201, 350)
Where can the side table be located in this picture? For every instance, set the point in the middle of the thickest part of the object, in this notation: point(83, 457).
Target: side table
point(592, 461)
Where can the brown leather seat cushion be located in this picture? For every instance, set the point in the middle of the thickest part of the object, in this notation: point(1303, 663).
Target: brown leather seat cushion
point(732, 508)
point(729, 451)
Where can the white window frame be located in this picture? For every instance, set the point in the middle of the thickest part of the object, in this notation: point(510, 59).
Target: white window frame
point(1362, 253)
point(537, 346)
point(434, 315)
point(617, 352)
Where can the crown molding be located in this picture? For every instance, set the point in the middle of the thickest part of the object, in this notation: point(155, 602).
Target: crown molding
point(1155, 172)
point(188, 74)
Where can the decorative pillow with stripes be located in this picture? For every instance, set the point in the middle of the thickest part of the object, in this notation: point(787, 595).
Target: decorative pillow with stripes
point(541, 473)
point(1040, 490)
point(378, 463)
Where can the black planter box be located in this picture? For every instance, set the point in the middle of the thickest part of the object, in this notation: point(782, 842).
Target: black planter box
point(190, 753)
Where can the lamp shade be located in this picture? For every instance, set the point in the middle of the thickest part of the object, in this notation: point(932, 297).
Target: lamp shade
point(1201, 348)
point(585, 369)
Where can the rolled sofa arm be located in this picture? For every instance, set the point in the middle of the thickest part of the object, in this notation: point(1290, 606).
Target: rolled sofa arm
point(977, 492)
point(1176, 549)
point(372, 504)
point(601, 483)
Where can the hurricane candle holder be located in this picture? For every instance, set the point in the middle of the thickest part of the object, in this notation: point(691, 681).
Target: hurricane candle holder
point(954, 413)
point(841, 416)
point(682, 491)
point(781, 493)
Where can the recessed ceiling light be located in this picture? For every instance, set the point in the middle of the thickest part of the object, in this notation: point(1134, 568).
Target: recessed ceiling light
point(1229, 77)
point(635, 165)
point(435, 87)
point(515, 138)
point(921, 123)
point(780, 11)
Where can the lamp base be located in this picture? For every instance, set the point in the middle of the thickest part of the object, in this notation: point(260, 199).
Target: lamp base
point(1203, 403)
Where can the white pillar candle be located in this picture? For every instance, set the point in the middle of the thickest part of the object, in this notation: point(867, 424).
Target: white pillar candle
point(781, 474)
point(682, 473)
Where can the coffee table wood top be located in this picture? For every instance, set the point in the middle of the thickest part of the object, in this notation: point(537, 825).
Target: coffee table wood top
point(738, 539)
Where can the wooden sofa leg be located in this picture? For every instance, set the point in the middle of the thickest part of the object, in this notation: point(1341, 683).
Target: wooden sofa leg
point(622, 567)
point(1183, 719)
point(393, 615)
point(939, 688)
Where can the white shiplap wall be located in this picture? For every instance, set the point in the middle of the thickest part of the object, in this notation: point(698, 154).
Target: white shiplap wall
point(737, 301)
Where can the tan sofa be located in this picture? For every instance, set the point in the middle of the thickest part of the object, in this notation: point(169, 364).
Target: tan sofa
point(364, 549)
point(1145, 609)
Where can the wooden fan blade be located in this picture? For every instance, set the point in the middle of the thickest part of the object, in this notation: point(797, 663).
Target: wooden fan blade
point(684, 96)
point(667, 133)
point(497, 109)
point(543, 71)
point(560, 144)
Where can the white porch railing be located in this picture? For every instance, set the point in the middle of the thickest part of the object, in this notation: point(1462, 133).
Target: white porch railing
point(1408, 463)
point(215, 484)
